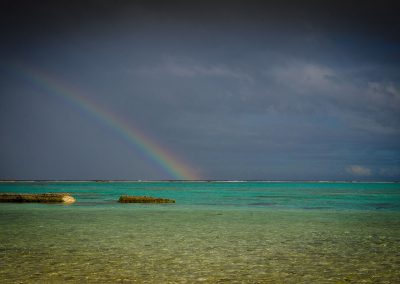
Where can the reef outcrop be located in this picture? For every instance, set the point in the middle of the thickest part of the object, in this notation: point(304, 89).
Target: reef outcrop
point(143, 199)
point(38, 198)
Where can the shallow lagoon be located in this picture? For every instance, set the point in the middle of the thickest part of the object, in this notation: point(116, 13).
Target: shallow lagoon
point(215, 233)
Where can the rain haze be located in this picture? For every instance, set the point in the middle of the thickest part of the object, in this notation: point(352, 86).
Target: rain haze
point(229, 90)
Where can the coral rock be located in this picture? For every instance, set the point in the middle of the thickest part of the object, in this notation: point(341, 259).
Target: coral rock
point(40, 198)
point(143, 199)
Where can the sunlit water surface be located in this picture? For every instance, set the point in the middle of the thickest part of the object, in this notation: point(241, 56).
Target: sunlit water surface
point(215, 233)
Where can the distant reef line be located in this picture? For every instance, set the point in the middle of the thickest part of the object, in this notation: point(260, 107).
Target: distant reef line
point(194, 181)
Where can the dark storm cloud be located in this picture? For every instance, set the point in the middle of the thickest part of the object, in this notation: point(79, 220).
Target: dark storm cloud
point(377, 18)
point(241, 89)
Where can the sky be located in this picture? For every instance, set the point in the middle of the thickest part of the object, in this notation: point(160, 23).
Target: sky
point(213, 90)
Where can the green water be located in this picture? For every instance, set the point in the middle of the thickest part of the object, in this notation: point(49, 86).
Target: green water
point(215, 233)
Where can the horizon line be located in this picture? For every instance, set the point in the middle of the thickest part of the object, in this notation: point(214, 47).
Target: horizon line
point(200, 180)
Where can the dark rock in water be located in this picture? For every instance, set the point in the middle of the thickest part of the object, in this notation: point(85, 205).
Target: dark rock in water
point(381, 205)
point(39, 198)
point(263, 204)
point(143, 199)
point(315, 208)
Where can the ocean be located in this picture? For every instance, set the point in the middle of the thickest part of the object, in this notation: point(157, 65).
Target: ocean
point(216, 232)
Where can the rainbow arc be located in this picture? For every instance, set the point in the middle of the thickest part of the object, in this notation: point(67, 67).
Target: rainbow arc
point(152, 150)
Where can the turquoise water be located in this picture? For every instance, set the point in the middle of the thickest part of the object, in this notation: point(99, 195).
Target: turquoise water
point(245, 232)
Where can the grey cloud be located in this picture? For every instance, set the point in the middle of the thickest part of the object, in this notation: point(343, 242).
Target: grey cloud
point(358, 170)
point(317, 85)
point(302, 77)
point(390, 171)
point(188, 67)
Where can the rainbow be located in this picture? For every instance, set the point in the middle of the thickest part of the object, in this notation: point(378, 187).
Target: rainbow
point(166, 160)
